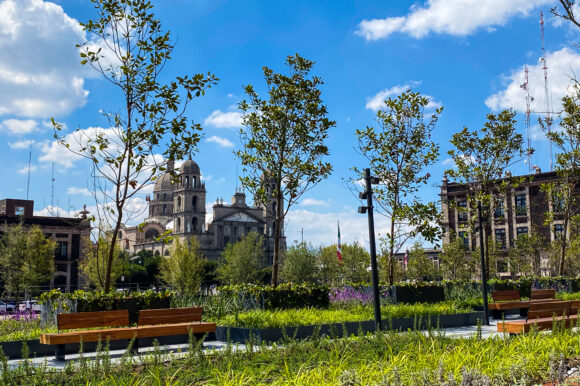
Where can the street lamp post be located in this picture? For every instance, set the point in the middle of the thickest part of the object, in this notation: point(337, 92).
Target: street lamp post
point(483, 273)
point(368, 195)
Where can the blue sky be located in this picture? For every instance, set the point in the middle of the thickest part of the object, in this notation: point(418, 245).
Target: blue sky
point(466, 55)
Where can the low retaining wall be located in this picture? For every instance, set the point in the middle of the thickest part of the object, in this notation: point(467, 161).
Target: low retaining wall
point(243, 335)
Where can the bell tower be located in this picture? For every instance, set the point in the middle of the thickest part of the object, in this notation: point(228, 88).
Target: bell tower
point(189, 200)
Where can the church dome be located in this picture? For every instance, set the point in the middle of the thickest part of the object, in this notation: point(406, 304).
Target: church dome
point(189, 167)
point(163, 182)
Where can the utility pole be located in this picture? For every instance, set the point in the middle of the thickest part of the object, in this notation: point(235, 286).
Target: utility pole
point(368, 195)
point(483, 274)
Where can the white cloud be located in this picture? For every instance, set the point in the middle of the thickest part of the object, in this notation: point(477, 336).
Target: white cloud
point(453, 17)
point(378, 100)
point(24, 170)
point(19, 145)
point(223, 142)
point(562, 66)
point(19, 126)
point(314, 202)
point(222, 119)
point(40, 73)
point(73, 191)
point(447, 162)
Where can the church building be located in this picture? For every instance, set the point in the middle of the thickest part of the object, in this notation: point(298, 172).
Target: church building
point(180, 206)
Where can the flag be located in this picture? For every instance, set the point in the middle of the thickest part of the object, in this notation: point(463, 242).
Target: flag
point(338, 251)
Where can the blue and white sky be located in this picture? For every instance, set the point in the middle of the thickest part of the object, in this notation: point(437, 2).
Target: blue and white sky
point(466, 55)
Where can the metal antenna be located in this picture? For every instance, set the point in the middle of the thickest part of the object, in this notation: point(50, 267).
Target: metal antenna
point(29, 161)
point(546, 89)
point(52, 190)
point(529, 99)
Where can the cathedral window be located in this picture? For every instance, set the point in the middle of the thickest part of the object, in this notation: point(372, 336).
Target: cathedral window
point(194, 224)
point(164, 208)
point(178, 225)
point(194, 202)
point(178, 203)
point(193, 181)
point(187, 181)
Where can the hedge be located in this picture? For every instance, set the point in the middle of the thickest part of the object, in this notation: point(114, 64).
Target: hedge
point(285, 295)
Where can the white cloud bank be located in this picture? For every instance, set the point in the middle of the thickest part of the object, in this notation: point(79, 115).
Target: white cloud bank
point(222, 119)
point(18, 126)
point(453, 17)
point(40, 73)
point(378, 100)
point(563, 65)
point(223, 142)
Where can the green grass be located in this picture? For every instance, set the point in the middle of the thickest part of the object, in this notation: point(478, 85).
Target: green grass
point(385, 358)
point(16, 330)
point(313, 316)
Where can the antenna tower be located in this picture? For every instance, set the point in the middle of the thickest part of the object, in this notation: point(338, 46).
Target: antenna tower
point(529, 99)
point(29, 160)
point(52, 189)
point(546, 89)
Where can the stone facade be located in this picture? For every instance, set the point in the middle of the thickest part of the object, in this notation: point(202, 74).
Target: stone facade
point(517, 212)
point(70, 234)
point(179, 206)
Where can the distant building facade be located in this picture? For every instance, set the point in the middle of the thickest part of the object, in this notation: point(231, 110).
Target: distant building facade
point(70, 235)
point(516, 213)
point(180, 206)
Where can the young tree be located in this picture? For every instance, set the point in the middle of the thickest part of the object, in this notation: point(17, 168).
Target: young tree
point(183, 269)
point(241, 262)
point(300, 264)
point(525, 256)
point(26, 258)
point(355, 262)
point(563, 193)
point(481, 159)
point(399, 151)
point(420, 267)
point(94, 265)
point(454, 263)
point(151, 120)
point(284, 141)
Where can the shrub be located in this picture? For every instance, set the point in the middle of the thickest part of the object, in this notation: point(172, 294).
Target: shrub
point(286, 295)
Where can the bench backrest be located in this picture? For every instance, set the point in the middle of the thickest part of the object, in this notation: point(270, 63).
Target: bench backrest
point(92, 319)
point(504, 296)
point(169, 316)
point(548, 309)
point(575, 307)
point(543, 294)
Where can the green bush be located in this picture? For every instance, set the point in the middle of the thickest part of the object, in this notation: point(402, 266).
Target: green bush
point(283, 296)
point(314, 316)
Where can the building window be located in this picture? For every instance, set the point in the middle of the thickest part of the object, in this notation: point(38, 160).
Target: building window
point(178, 225)
point(521, 207)
point(522, 231)
point(194, 202)
point(187, 181)
point(164, 196)
point(164, 208)
point(178, 203)
point(19, 211)
point(465, 239)
point(61, 248)
point(557, 204)
point(499, 210)
point(558, 231)
point(462, 210)
point(194, 224)
point(500, 238)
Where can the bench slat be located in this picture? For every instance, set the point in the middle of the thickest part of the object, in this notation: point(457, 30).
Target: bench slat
point(543, 294)
point(174, 329)
point(507, 295)
point(548, 309)
point(520, 326)
point(89, 336)
point(169, 315)
point(93, 319)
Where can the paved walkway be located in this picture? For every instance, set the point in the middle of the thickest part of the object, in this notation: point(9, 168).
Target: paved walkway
point(180, 350)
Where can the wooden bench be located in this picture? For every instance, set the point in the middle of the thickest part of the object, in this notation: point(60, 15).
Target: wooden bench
point(506, 300)
point(541, 315)
point(114, 325)
point(543, 294)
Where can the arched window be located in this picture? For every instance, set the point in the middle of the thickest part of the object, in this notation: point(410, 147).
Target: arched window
point(187, 181)
point(157, 253)
point(194, 202)
point(178, 225)
point(194, 224)
point(151, 234)
point(178, 203)
point(274, 207)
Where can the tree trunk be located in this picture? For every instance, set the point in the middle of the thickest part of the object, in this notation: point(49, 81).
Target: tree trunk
point(112, 252)
point(277, 236)
point(563, 251)
point(392, 253)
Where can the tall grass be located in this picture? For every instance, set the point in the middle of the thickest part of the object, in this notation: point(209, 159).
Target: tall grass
point(384, 358)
